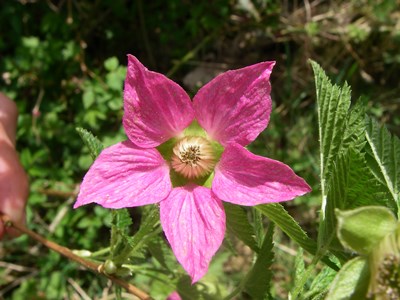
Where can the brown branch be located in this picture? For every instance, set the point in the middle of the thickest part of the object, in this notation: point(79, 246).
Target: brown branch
point(70, 255)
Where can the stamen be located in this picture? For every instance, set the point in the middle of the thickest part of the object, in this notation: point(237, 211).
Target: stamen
point(193, 157)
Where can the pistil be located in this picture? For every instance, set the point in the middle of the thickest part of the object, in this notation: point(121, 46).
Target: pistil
point(193, 157)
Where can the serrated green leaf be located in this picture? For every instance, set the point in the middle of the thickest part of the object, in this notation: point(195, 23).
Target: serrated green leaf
point(333, 105)
point(299, 266)
point(258, 281)
point(353, 135)
point(92, 142)
point(125, 245)
point(351, 185)
point(121, 219)
point(278, 214)
point(320, 284)
point(383, 157)
point(119, 227)
point(351, 283)
point(340, 128)
point(237, 222)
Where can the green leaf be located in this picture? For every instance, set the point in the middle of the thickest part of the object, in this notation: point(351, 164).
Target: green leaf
point(187, 290)
point(237, 222)
point(258, 281)
point(351, 283)
point(333, 105)
point(121, 219)
point(122, 245)
point(320, 284)
point(88, 98)
point(299, 267)
point(92, 142)
point(353, 135)
point(363, 228)
point(384, 158)
point(111, 63)
point(160, 251)
point(351, 185)
point(119, 228)
point(277, 214)
point(340, 128)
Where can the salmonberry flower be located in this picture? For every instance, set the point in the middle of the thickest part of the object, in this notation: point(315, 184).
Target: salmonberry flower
point(188, 156)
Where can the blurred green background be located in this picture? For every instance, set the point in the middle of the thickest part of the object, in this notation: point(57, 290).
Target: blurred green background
point(64, 63)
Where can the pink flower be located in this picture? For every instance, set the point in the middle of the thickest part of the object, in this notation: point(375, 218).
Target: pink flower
point(189, 156)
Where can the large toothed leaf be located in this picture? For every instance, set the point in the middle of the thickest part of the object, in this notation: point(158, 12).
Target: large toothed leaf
point(238, 223)
point(383, 156)
point(333, 105)
point(92, 142)
point(351, 185)
point(257, 285)
point(339, 129)
point(354, 133)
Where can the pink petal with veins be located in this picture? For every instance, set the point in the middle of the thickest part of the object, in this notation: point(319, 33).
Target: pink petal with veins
point(124, 175)
point(247, 179)
point(155, 108)
point(194, 224)
point(236, 105)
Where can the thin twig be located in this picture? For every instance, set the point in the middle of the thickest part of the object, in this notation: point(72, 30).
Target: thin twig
point(70, 255)
point(15, 267)
point(78, 289)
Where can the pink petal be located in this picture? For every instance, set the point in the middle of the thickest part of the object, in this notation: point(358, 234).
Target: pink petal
point(174, 296)
point(124, 176)
point(236, 105)
point(247, 179)
point(155, 108)
point(194, 224)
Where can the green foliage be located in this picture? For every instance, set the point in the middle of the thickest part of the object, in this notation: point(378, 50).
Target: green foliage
point(64, 65)
point(299, 267)
point(94, 145)
point(277, 214)
point(351, 283)
point(122, 245)
point(383, 157)
point(344, 172)
point(238, 223)
point(320, 285)
point(258, 287)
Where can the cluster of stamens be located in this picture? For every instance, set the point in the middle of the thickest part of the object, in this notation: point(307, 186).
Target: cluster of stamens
point(193, 157)
point(388, 279)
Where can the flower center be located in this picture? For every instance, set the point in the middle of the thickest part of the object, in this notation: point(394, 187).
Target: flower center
point(193, 157)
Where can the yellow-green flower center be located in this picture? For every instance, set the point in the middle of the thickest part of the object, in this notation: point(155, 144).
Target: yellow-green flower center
point(193, 157)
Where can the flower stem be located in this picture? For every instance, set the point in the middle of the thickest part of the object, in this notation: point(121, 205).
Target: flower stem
point(70, 255)
point(100, 252)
